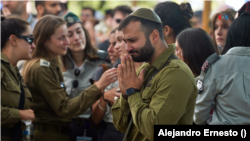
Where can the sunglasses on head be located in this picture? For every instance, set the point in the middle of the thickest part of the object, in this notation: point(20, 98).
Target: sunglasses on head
point(26, 38)
point(118, 20)
point(75, 82)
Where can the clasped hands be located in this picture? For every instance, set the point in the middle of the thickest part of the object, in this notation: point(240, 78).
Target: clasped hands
point(127, 77)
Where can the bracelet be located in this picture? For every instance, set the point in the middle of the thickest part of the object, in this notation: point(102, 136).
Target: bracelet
point(100, 106)
point(104, 99)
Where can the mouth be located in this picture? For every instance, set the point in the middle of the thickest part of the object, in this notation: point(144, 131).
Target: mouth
point(112, 57)
point(78, 44)
point(219, 39)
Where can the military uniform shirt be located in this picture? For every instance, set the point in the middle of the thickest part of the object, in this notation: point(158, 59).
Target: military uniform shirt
point(169, 98)
point(10, 94)
point(51, 102)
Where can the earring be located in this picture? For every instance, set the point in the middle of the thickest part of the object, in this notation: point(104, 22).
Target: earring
point(166, 36)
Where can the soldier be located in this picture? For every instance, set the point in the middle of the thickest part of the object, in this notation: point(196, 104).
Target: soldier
point(167, 96)
point(52, 107)
point(16, 44)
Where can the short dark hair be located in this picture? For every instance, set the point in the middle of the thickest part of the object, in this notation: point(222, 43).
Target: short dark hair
point(198, 14)
point(125, 10)
point(238, 33)
point(91, 9)
point(147, 26)
point(11, 25)
point(174, 15)
point(196, 46)
point(39, 3)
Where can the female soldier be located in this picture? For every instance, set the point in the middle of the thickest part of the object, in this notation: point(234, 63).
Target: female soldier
point(79, 64)
point(16, 44)
point(220, 28)
point(174, 17)
point(43, 76)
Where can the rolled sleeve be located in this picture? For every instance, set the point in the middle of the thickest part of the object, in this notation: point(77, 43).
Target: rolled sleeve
point(120, 113)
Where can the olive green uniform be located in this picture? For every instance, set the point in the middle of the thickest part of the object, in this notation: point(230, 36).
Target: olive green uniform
point(52, 106)
point(10, 96)
point(168, 98)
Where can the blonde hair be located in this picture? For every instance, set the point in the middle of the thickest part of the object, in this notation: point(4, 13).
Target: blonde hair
point(44, 28)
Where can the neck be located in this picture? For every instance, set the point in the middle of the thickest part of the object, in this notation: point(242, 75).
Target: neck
point(170, 39)
point(78, 58)
point(24, 15)
point(38, 16)
point(11, 56)
point(137, 65)
point(159, 49)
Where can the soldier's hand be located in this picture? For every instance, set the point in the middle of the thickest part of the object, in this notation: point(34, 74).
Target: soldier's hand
point(108, 77)
point(111, 94)
point(6, 11)
point(127, 76)
point(27, 114)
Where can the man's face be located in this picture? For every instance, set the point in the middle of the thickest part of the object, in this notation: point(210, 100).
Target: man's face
point(15, 7)
point(118, 17)
point(86, 14)
point(139, 47)
point(52, 8)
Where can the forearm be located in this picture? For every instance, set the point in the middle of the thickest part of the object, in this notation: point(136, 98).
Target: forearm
point(98, 112)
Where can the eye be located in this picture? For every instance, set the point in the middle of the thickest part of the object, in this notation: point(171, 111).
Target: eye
point(78, 32)
point(70, 35)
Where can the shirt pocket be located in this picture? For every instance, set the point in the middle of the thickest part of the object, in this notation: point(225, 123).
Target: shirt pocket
point(11, 86)
point(147, 94)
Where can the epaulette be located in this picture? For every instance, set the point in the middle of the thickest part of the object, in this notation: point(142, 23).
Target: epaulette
point(210, 60)
point(44, 63)
point(102, 54)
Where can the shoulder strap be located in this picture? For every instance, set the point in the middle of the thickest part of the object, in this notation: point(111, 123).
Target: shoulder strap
point(171, 57)
point(210, 60)
point(17, 127)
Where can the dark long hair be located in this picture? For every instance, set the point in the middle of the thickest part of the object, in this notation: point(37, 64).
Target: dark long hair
point(196, 46)
point(90, 52)
point(238, 33)
point(174, 15)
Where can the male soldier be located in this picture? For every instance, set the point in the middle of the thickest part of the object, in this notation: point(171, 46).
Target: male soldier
point(47, 7)
point(17, 8)
point(167, 96)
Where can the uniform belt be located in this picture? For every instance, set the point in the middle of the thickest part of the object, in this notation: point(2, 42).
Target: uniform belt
point(110, 126)
point(8, 132)
point(62, 129)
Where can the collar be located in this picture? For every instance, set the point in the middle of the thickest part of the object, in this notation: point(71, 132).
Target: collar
point(244, 51)
point(4, 58)
point(162, 59)
point(85, 61)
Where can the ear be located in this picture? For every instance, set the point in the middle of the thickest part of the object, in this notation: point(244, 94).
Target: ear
point(155, 36)
point(13, 40)
point(40, 9)
point(166, 30)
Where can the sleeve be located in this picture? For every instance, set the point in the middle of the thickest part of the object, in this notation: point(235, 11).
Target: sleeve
point(9, 115)
point(56, 97)
point(97, 75)
point(120, 113)
point(166, 106)
point(204, 101)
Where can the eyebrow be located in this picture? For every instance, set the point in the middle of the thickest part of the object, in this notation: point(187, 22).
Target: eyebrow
point(129, 39)
point(75, 29)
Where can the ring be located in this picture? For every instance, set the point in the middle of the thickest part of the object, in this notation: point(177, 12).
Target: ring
point(111, 73)
point(115, 98)
point(118, 90)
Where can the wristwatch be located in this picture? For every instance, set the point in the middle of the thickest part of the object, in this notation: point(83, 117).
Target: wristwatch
point(131, 91)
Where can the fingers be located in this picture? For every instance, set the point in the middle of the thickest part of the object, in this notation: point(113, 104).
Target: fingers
point(127, 60)
point(132, 64)
point(141, 75)
point(6, 11)
point(124, 66)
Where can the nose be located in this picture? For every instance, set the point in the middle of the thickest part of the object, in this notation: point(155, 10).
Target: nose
point(110, 49)
point(33, 46)
point(128, 47)
point(219, 32)
point(66, 41)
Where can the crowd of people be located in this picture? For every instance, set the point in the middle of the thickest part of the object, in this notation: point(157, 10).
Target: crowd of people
point(156, 67)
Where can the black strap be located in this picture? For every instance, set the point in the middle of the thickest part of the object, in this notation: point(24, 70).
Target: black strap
point(171, 57)
point(17, 127)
